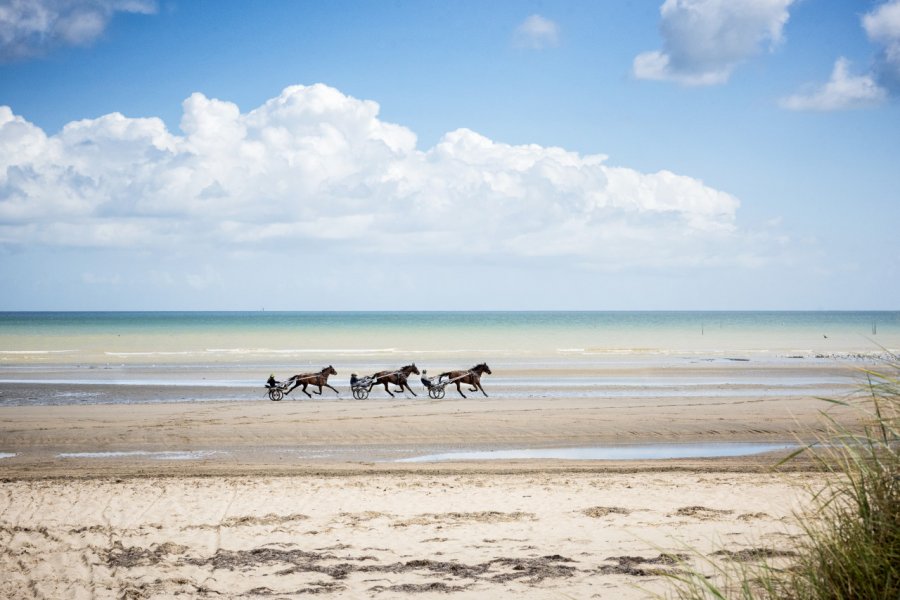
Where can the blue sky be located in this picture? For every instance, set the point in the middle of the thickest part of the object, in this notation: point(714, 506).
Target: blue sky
point(686, 154)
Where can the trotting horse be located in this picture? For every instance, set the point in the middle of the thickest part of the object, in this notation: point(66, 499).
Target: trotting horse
point(319, 379)
point(471, 377)
point(397, 377)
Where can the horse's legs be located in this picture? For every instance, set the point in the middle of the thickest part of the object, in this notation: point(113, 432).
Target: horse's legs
point(296, 384)
point(481, 388)
point(386, 389)
point(458, 389)
point(304, 389)
point(406, 385)
point(335, 391)
point(320, 389)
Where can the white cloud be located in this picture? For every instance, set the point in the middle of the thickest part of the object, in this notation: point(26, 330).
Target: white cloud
point(31, 27)
point(537, 32)
point(847, 91)
point(705, 40)
point(843, 91)
point(315, 167)
point(882, 25)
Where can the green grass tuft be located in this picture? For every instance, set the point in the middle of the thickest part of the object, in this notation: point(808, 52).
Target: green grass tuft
point(851, 547)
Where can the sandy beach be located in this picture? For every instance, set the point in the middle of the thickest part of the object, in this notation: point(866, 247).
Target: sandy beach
point(466, 534)
point(286, 499)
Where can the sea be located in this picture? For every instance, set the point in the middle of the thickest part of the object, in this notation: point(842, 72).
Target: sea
point(121, 357)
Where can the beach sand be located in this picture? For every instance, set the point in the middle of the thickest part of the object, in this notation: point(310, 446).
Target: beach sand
point(261, 499)
point(469, 534)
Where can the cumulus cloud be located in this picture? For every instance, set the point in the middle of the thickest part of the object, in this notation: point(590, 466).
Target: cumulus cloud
point(882, 26)
point(843, 91)
point(31, 27)
point(705, 40)
point(313, 167)
point(847, 91)
point(537, 32)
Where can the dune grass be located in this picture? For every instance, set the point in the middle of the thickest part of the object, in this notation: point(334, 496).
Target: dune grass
point(851, 546)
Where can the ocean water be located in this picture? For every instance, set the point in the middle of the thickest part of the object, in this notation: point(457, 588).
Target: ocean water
point(151, 337)
point(57, 357)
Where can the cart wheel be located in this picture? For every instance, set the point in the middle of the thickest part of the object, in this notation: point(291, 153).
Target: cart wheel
point(441, 393)
point(363, 394)
point(276, 395)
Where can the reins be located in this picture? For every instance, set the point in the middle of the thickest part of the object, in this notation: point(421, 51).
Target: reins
point(469, 372)
point(400, 372)
point(310, 376)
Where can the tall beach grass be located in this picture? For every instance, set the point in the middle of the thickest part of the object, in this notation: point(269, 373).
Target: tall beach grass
point(850, 549)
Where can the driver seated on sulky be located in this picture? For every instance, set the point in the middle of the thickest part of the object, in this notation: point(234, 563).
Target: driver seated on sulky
point(272, 382)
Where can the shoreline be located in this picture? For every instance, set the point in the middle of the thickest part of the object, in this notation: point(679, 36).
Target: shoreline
point(724, 379)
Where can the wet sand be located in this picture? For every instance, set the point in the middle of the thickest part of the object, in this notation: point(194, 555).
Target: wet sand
point(265, 437)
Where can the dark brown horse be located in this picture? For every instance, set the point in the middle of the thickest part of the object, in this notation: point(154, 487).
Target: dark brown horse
point(397, 377)
point(319, 379)
point(471, 377)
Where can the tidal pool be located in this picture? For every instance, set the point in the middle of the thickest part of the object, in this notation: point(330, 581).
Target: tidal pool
point(623, 452)
point(165, 455)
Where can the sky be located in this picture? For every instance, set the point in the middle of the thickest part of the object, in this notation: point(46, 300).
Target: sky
point(464, 155)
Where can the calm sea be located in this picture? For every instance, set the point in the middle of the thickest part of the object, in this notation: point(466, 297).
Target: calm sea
point(238, 349)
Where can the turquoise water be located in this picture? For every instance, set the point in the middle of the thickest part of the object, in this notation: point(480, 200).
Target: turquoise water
point(61, 322)
point(100, 337)
point(586, 331)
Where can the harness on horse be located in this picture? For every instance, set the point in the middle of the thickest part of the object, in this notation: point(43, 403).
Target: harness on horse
point(360, 387)
point(463, 376)
point(436, 389)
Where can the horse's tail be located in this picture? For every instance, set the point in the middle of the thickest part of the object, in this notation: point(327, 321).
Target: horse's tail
point(442, 375)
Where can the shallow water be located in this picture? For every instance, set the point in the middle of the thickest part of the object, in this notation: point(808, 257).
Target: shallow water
point(625, 452)
point(164, 455)
point(266, 337)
